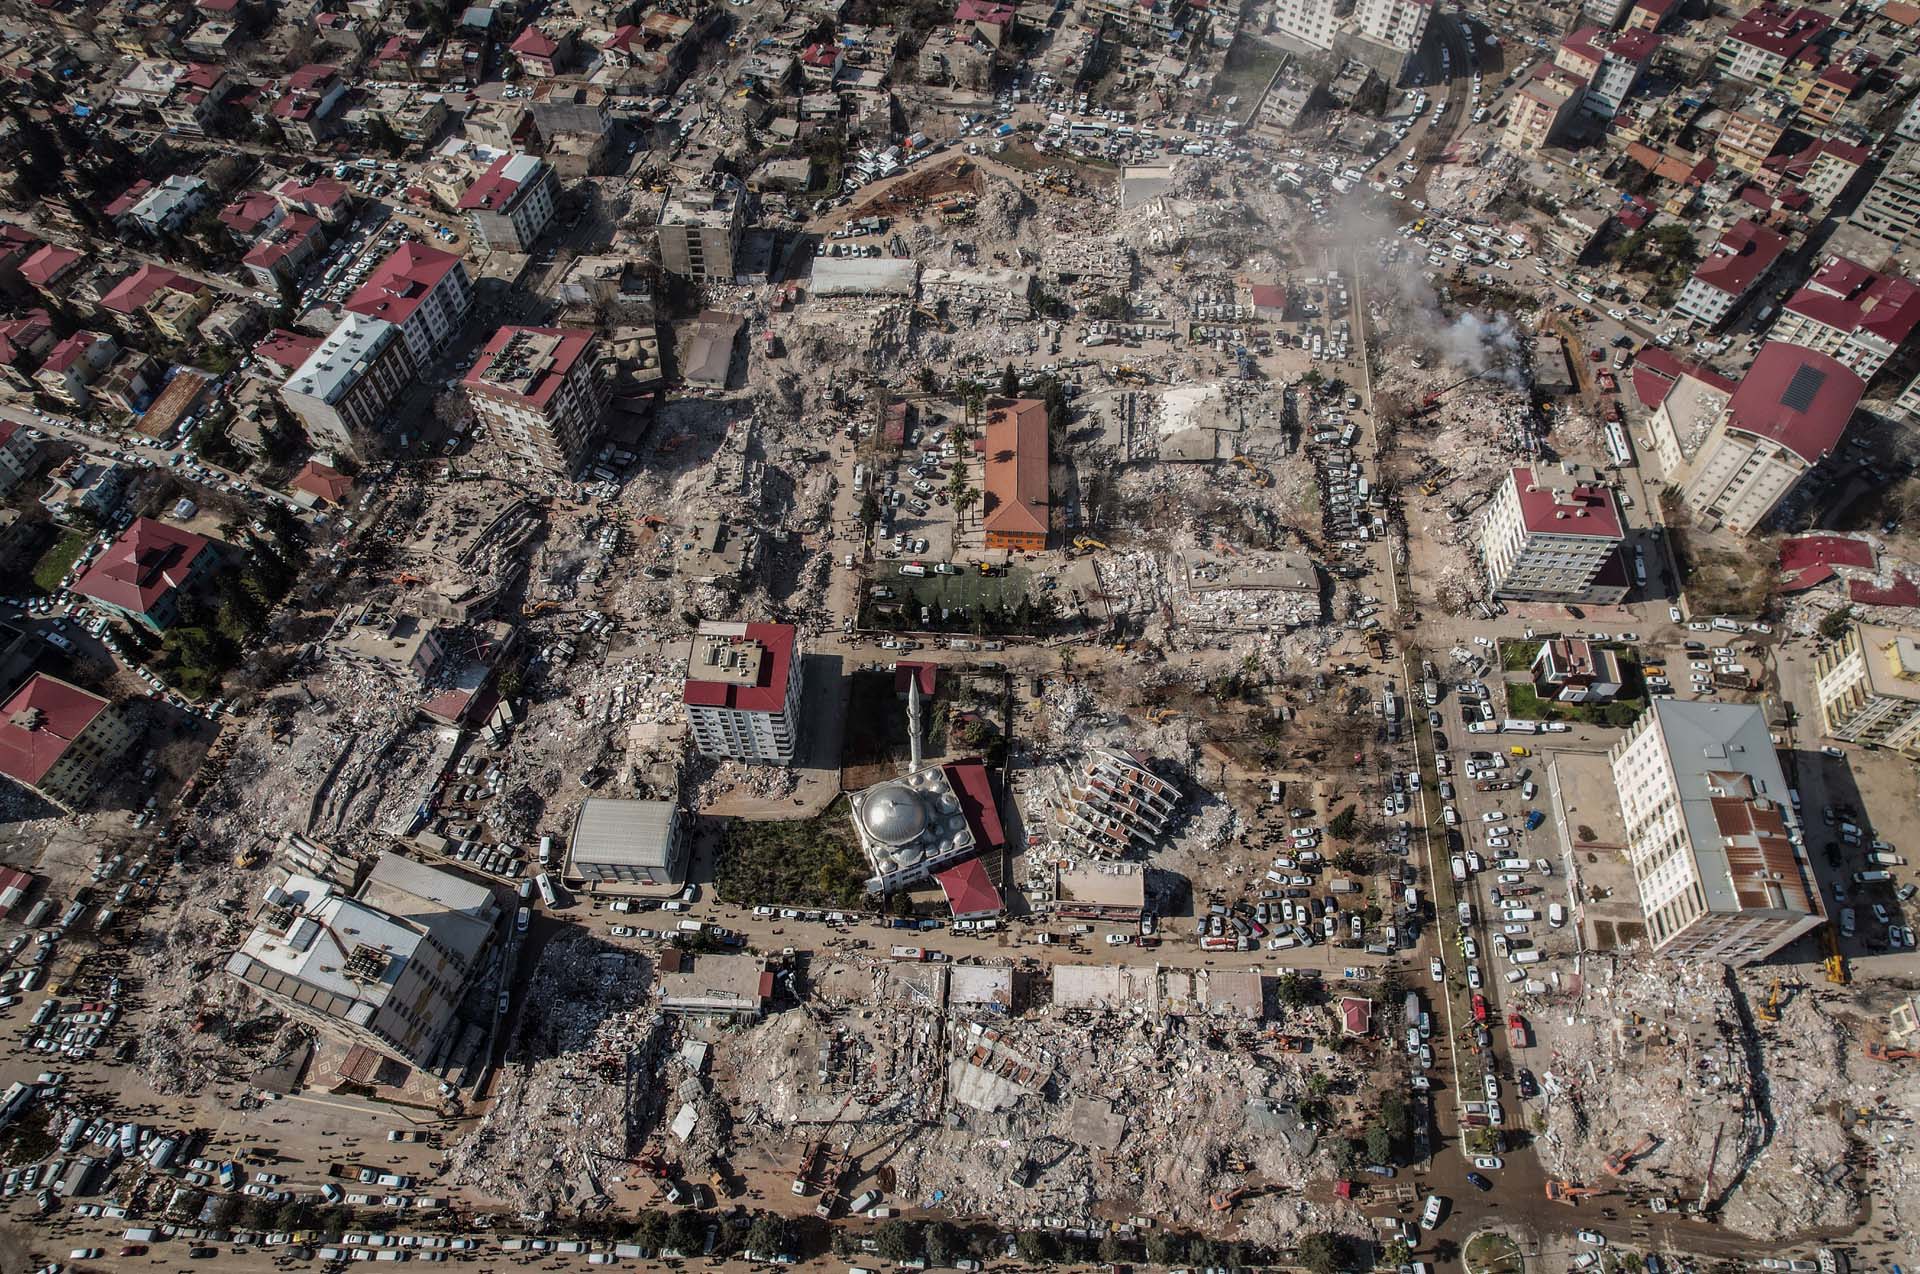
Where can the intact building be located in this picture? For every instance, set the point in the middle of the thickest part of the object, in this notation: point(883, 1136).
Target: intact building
point(386, 966)
point(1739, 263)
point(699, 232)
point(1542, 108)
point(1547, 538)
point(348, 381)
point(742, 692)
point(1854, 314)
point(644, 843)
point(1771, 42)
point(923, 822)
point(1398, 24)
point(540, 392)
point(1868, 686)
point(1891, 207)
point(1312, 23)
point(1711, 837)
point(1787, 415)
point(511, 204)
point(422, 291)
point(1753, 132)
point(146, 572)
point(60, 741)
point(1015, 514)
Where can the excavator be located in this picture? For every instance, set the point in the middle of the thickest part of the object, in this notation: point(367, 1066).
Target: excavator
point(1877, 1052)
point(1432, 400)
point(1160, 716)
point(542, 607)
point(1568, 1192)
point(1770, 1011)
point(1261, 478)
point(1620, 1160)
point(1836, 962)
point(1083, 544)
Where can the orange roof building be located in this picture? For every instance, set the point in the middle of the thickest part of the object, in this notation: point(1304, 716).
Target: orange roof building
point(1015, 511)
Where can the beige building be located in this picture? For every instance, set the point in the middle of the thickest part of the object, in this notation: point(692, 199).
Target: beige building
point(1710, 833)
point(699, 231)
point(1549, 538)
point(540, 393)
point(1541, 109)
point(1868, 686)
point(344, 387)
point(61, 741)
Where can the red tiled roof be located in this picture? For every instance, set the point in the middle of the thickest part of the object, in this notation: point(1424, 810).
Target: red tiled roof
point(1779, 30)
point(493, 188)
point(283, 240)
point(572, 345)
point(1797, 398)
point(289, 349)
point(991, 12)
point(1269, 296)
point(1901, 592)
point(312, 78)
point(1356, 1015)
point(1656, 371)
point(1745, 252)
point(533, 42)
point(769, 691)
point(40, 722)
point(1850, 297)
point(320, 480)
point(1801, 551)
point(1581, 44)
point(131, 196)
point(1016, 478)
point(974, 787)
point(18, 335)
point(322, 192)
point(915, 670)
point(967, 888)
point(1586, 510)
point(394, 290)
point(70, 351)
point(149, 560)
point(1635, 46)
point(249, 212)
point(139, 288)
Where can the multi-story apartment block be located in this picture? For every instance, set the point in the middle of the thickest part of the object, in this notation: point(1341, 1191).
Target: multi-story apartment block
point(1541, 109)
point(1612, 65)
point(1770, 42)
point(699, 231)
point(60, 741)
point(1398, 24)
point(742, 692)
point(1856, 315)
point(347, 383)
point(510, 205)
point(1143, 22)
point(1825, 96)
point(1826, 168)
point(1710, 834)
point(1753, 131)
point(1312, 23)
point(1732, 272)
point(1787, 415)
point(1891, 206)
point(146, 571)
point(1548, 538)
point(71, 367)
point(284, 250)
point(385, 967)
point(422, 291)
point(1868, 685)
point(540, 392)
point(306, 112)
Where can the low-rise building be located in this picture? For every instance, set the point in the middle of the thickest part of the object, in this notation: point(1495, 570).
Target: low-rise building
point(1574, 670)
point(1016, 512)
point(385, 967)
point(734, 987)
point(617, 843)
point(1710, 834)
point(61, 742)
point(72, 366)
point(1868, 687)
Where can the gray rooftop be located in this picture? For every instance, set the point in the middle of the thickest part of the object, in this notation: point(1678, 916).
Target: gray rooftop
point(631, 833)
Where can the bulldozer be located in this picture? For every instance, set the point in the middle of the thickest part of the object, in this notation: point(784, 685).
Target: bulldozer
point(1224, 1201)
point(1877, 1052)
point(1568, 1192)
point(542, 607)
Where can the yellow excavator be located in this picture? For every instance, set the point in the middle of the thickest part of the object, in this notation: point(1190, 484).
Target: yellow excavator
point(1084, 544)
point(1261, 478)
point(1770, 1011)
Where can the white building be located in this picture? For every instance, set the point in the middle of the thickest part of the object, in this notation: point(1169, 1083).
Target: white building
point(1547, 538)
point(1891, 208)
point(639, 843)
point(1858, 316)
point(1398, 24)
point(386, 966)
point(1307, 22)
point(743, 691)
point(1711, 835)
point(1742, 258)
point(424, 292)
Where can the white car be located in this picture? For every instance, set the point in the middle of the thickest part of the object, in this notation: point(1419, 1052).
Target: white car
point(1489, 1163)
point(1119, 939)
point(1435, 970)
point(1494, 816)
point(1473, 976)
point(1592, 1238)
point(1499, 842)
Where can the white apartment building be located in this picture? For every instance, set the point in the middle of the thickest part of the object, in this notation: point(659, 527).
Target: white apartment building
point(1891, 208)
point(1868, 685)
point(1547, 538)
point(422, 291)
point(1855, 315)
point(1739, 262)
point(1399, 24)
point(1309, 22)
point(743, 690)
point(1711, 835)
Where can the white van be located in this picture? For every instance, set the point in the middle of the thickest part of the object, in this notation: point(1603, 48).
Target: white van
point(1556, 915)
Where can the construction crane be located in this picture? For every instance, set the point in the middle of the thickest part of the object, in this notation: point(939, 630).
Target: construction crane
point(1568, 1192)
point(1876, 1052)
point(1261, 478)
point(1770, 1011)
point(1428, 403)
point(1620, 1160)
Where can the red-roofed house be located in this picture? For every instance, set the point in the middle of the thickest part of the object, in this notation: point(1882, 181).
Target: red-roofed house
point(990, 20)
point(1356, 1015)
point(1771, 40)
point(1857, 315)
point(541, 55)
point(542, 392)
point(286, 348)
point(1016, 511)
point(820, 63)
point(143, 576)
point(510, 205)
point(322, 482)
point(74, 364)
point(251, 215)
point(743, 690)
point(323, 197)
point(970, 894)
point(283, 251)
point(172, 303)
point(60, 741)
point(1738, 264)
point(1547, 538)
point(1269, 300)
point(422, 291)
point(1787, 416)
point(1573, 670)
point(51, 269)
point(24, 342)
point(306, 110)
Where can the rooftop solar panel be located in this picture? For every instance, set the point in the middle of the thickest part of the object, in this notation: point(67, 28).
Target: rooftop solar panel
point(1803, 388)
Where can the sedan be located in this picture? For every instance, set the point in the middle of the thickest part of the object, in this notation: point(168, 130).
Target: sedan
point(1494, 816)
point(1592, 1238)
point(1435, 970)
point(1499, 842)
point(1479, 1182)
point(1473, 976)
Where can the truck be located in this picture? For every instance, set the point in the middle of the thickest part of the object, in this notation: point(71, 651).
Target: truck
point(1516, 1031)
point(909, 953)
point(1341, 885)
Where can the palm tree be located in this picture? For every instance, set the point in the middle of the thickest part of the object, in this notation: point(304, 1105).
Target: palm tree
point(964, 502)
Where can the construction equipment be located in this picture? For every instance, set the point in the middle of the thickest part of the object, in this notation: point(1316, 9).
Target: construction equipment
point(1568, 1192)
point(1159, 716)
point(1082, 544)
point(1129, 374)
point(542, 607)
point(1876, 1052)
point(1836, 962)
point(247, 856)
point(1432, 400)
point(407, 577)
point(1620, 1160)
point(933, 318)
point(1770, 1011)
point(1224, 1202)
point(1261, 478)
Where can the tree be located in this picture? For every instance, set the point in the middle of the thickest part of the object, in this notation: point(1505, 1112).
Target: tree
point(1293, 992)
point(1009, 383)
point(1324, 1253)
point(650, 1230)
point(1394, 1255)
point(1162, 1248)
point(942, 1242)
point(1342, 824)
point(1834, 625)
point(869, 511)
point(929, 380)
point(898, 1241)
point(1112, 1250)
point(687, 1232)
point(767, 1236)
point(964, 502)
point(1379, 1144)
point(1038, 1247)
